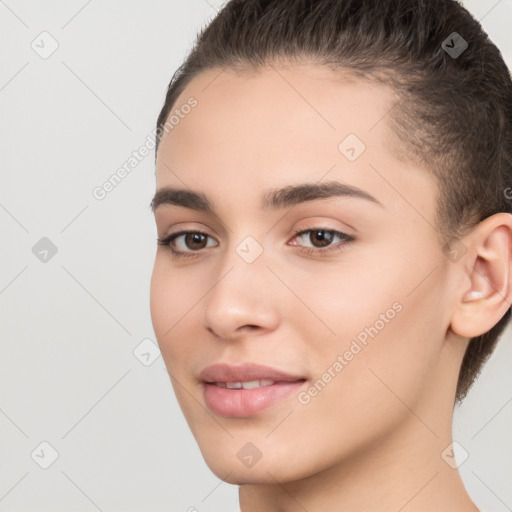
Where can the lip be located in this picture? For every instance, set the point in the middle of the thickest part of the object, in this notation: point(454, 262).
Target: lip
point(222, 372)
point(239, 403)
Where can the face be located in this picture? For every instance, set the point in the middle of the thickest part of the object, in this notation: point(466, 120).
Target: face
point(329, 305)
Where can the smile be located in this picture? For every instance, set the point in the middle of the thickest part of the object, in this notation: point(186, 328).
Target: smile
point(244, 390)
point(250, 384)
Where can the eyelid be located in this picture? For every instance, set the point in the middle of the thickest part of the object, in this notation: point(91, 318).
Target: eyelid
point(166, 240)
point(346, 240)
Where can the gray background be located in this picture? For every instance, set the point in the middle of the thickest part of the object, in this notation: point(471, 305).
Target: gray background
point(70, 324)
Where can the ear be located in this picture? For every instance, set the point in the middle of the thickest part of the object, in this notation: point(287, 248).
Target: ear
point(488, 264)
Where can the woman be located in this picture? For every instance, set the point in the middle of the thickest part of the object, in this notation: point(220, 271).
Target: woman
point(333, 265)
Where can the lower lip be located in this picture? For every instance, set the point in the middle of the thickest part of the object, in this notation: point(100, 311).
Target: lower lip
point(240, 403)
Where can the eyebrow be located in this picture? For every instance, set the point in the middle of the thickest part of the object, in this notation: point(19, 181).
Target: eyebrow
point(273, 199)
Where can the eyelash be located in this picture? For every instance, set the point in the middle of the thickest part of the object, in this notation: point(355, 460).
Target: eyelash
point(347, 240)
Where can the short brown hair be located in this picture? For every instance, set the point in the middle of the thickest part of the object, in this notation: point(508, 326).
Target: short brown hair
point(454, 115)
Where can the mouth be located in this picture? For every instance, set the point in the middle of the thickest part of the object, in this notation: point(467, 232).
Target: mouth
point(246, 390)
point(250, 384)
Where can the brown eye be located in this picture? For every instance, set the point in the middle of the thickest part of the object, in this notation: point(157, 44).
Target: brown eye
point(321, 241)
point(324, 237)
point(186, 243)
point(195, 240)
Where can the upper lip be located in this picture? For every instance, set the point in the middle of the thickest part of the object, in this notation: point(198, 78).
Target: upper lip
point(222, 372)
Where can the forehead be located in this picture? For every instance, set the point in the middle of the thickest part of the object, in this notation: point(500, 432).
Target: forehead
point(282, 124)
point(280, 106)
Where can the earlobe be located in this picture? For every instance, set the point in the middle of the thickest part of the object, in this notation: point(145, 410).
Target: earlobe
point(488, 265)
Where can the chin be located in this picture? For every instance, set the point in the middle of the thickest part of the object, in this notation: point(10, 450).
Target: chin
point(242, 462)
point(235, 473)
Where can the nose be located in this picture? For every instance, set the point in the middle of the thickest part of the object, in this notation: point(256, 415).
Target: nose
point(242, 299)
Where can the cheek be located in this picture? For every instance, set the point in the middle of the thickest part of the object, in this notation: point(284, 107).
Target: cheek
point(169, 305)
point(161, 300)
point(172, 295)
point(176, 309)
point(387, 329)
point(335, 303)
point(372, 382)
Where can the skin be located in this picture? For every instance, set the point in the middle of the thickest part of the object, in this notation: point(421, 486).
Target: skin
point(372, 438)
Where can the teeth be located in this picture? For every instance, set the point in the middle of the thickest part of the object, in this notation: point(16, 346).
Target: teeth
point(251, 384)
